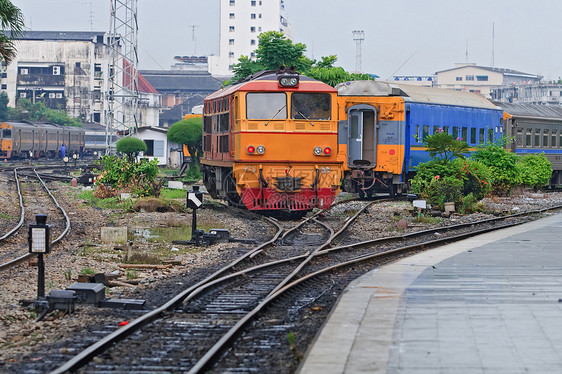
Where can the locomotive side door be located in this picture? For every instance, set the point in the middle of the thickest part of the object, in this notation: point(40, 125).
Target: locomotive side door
point(361, 136)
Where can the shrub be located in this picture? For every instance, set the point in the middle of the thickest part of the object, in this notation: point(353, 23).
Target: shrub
point(535, 170)
point(140, 177)
point(502, 165)
point(131, 147)
point(442, 190)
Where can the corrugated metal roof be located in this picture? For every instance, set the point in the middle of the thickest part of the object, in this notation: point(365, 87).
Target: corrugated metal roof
point(504, 71)
point(532, 110)
point(414, 93)
point(171, 81)
point(61, 35)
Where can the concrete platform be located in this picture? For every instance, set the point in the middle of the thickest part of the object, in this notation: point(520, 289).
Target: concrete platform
point(490, 304)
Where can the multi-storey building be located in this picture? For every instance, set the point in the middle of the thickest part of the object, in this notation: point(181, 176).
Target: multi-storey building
point(538, 93)
point(241, 21)
point(68, 70)
point(481, 79)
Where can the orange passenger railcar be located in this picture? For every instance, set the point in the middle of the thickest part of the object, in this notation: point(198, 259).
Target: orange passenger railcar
point(270, 143)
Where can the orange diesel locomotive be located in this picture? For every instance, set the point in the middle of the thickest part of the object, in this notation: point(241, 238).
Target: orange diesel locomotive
point(270, 143)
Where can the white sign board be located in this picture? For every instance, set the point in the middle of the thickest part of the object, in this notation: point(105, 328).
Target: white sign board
point(420, 204)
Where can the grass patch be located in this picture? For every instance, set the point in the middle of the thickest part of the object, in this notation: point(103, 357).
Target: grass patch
point(170, 193)
point(109, 203)
point(6, 216)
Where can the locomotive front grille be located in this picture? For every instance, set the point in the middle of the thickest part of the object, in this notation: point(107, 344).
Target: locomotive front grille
point(288, 183)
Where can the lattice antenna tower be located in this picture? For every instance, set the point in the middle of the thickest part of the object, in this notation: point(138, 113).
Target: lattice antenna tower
point(121, 95)
point(358, 36)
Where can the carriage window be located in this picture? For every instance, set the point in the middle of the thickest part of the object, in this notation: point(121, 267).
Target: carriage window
point(435, 129)
point(490, 135)
point(310, 106)
point(472, 135)
point(417, 136)
point(553, 139)
point(537, 138)
point(425, 132)
point(481, 136)
point(519, 138)
point(528, 138)
point(446, 129)
point(545, 138)
point(455, 132)
point(465, 134)
point(266, 105)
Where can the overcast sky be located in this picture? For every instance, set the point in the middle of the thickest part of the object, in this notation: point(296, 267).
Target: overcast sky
point(401, 36)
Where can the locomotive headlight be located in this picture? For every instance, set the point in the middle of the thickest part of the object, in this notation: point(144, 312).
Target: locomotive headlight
point(290, 81)
point(318, 151)
point(260, 149)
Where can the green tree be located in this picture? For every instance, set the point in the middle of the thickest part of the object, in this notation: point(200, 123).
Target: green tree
point(189, 132)
point(4, 106)
point(11, 19)
point(275, 50)
point(28, 111)
point(131, 147)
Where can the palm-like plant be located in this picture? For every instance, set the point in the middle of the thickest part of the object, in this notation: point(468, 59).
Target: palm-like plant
point(12, 23)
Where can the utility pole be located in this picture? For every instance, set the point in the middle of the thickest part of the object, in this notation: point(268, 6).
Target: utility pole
point(194, 39)
point(358, 36)
point(121, 95)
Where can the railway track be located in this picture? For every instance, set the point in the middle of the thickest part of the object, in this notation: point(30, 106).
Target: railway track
point(195, 328)
point(34, 197)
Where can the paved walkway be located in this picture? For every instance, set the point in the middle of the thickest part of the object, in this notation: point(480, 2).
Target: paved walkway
point(489, 304)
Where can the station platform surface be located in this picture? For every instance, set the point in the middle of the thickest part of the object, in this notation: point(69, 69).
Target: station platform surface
point(489, 304)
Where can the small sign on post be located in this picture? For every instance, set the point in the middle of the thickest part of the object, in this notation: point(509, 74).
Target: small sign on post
point(40, 242)
point(194, 198)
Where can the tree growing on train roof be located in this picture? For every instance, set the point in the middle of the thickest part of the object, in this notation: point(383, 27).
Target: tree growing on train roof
point(27, 111)
point(189, 132)
point(12, 23)
point(275, 50)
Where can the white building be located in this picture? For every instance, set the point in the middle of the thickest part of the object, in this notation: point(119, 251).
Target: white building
point(241, 21)
point(481, 79)
point(68, 70)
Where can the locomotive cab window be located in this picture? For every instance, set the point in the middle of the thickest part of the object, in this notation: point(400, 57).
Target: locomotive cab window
point(6, 133)
point(311, 106)
point(266, 105)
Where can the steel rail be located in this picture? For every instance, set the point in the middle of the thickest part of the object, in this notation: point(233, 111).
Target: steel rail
point(218, 347)
point(22, 209)
point(87, 354)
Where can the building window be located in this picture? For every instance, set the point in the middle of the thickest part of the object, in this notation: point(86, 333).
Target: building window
point(24, 71)
point(252, 54)
point(469, 77)
point(59, 95)
point(458, 79)
point(22, 94)
point(231, 15)
point(230, 54)
point(253, 16)
point(4, 75)
point(259, 16)
point(253, 3)
point(232, 2)
point(482, 78)
point(231, 28)
point(4, 87)
point(52, 95)
point(253, 42)
point(231, 41)
point(252, 29)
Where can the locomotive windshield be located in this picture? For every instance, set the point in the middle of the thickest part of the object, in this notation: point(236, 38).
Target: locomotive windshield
point(311, 106)
point(266, 105)
point(6, 133)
